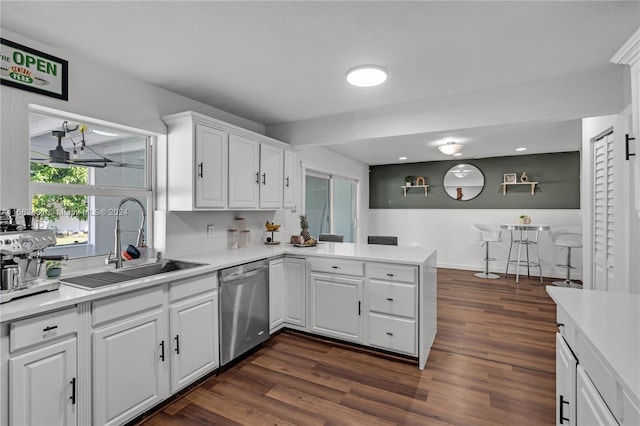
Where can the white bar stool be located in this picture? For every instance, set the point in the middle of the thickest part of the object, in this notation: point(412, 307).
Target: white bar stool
point(487, 235)
point(567, 237)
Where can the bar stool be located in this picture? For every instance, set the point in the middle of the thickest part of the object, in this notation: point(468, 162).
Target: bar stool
point(524, 240)
point(487, 235)
point(567, 237)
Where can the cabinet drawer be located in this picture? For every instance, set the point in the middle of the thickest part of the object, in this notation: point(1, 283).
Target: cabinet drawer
point(392, 299)
point(192, 286)
point(389, 272)
point(601, 377)
point(31, 331)
point(395, 334)
point(110, 309)
point(338, 266)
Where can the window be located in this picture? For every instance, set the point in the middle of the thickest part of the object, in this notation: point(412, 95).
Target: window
point(330, 205)
point(80, 172)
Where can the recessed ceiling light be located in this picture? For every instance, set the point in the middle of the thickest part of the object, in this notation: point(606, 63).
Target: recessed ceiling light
point(451, 148)
point(103, 132)
point(521, 149)
point(457, 154)
point(366, 75)
point(402, 158)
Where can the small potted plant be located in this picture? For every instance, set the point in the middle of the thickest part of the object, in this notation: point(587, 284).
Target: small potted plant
point(53, 268)
point(408, 180)
point(524, 219)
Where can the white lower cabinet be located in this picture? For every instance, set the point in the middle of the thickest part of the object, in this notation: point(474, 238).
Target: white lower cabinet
point(42, 370)
point(130, 367)
point(43, 386)
point(565, 383)
point(295, 291)
point(336, 306)
point(592, 410)
point(276, 294)
point(193, 325)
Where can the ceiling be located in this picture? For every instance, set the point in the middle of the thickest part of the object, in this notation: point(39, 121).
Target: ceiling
point(285, 62)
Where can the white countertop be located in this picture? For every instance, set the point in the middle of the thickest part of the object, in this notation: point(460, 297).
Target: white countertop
point(611, 323)
point(68, 295)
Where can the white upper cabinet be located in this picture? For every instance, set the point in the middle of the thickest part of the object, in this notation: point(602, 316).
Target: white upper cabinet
point(244, 172)
point(288, 201)
point(271, 160)
point(196, 164)
point(213, 165)
point(255, 174)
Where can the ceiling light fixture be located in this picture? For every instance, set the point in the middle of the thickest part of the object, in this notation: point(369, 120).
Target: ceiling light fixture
point(457, 154)
point(521, 149)
point(103, 133)
point(366, 75)
point(402, 158)
point(451, 148)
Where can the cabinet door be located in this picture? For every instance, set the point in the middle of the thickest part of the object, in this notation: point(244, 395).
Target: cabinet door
point(271, 159)
point(193, 326)
point(130, 368)
point(295, 291)
point(336, 306)
point(244, 172)
point(565, 383)
point(211, 167)
point(43, 386)
point(276, 294)
point(591, 408)
point(288, 199)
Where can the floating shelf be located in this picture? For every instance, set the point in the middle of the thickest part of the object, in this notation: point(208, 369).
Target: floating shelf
point(533, 186)
point(405, 187)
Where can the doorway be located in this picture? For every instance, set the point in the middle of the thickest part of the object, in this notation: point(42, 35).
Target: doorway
point(330, 205)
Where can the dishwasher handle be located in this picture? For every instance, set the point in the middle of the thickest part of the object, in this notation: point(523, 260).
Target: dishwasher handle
point(237, 276)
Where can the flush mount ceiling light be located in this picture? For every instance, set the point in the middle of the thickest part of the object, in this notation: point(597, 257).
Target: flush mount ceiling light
point(521, 149)
point(402, 158)
point(366, 75)
point(451, 148)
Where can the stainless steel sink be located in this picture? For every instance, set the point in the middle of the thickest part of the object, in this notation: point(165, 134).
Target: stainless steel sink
point(101, 279)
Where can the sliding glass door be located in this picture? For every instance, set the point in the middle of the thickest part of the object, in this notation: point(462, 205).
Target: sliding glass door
point(330, 205)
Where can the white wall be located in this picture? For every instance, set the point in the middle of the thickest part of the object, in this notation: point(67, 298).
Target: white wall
point(458, 244)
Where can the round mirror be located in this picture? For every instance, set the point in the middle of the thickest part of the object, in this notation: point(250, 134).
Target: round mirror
point(463, 182)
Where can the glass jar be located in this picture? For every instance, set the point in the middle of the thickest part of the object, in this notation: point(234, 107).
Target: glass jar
point(240, 223)
point(232, 239)
point(245, 238)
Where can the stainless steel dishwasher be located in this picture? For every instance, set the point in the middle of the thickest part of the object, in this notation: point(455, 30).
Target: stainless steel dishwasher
point(244, 308)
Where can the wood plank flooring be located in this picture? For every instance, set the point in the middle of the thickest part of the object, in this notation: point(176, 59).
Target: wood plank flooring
point(493, 362)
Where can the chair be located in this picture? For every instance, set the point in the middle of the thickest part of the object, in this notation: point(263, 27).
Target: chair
point(336, 238)
point(383, 240)
point(567, 237)
point(487, 235)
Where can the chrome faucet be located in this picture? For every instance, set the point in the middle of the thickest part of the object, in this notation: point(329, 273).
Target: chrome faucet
point(117, 259)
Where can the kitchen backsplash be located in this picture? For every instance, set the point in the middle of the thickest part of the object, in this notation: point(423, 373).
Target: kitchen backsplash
point(188, 230)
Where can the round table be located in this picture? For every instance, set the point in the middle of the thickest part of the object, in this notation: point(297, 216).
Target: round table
point(523, 239)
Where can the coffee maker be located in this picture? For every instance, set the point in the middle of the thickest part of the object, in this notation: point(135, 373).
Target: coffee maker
point(21, 259)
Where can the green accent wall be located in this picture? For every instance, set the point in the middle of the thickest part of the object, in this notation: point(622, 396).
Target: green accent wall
point(557, 174)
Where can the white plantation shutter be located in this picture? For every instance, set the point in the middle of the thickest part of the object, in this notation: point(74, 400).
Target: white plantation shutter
point(604, 218)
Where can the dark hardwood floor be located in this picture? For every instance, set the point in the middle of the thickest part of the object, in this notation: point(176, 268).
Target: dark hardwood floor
point(493, 362)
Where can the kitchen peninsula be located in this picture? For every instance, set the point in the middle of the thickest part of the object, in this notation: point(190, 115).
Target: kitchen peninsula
point(393, 290)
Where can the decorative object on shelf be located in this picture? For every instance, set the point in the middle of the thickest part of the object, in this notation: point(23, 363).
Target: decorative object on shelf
point(408, 180)
point(54, 268)
point(451, 148)
point(459, 194)
point(523, 177)
point(420, 181)
point(304, 225)
point(524, 219)
point(509, 178)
